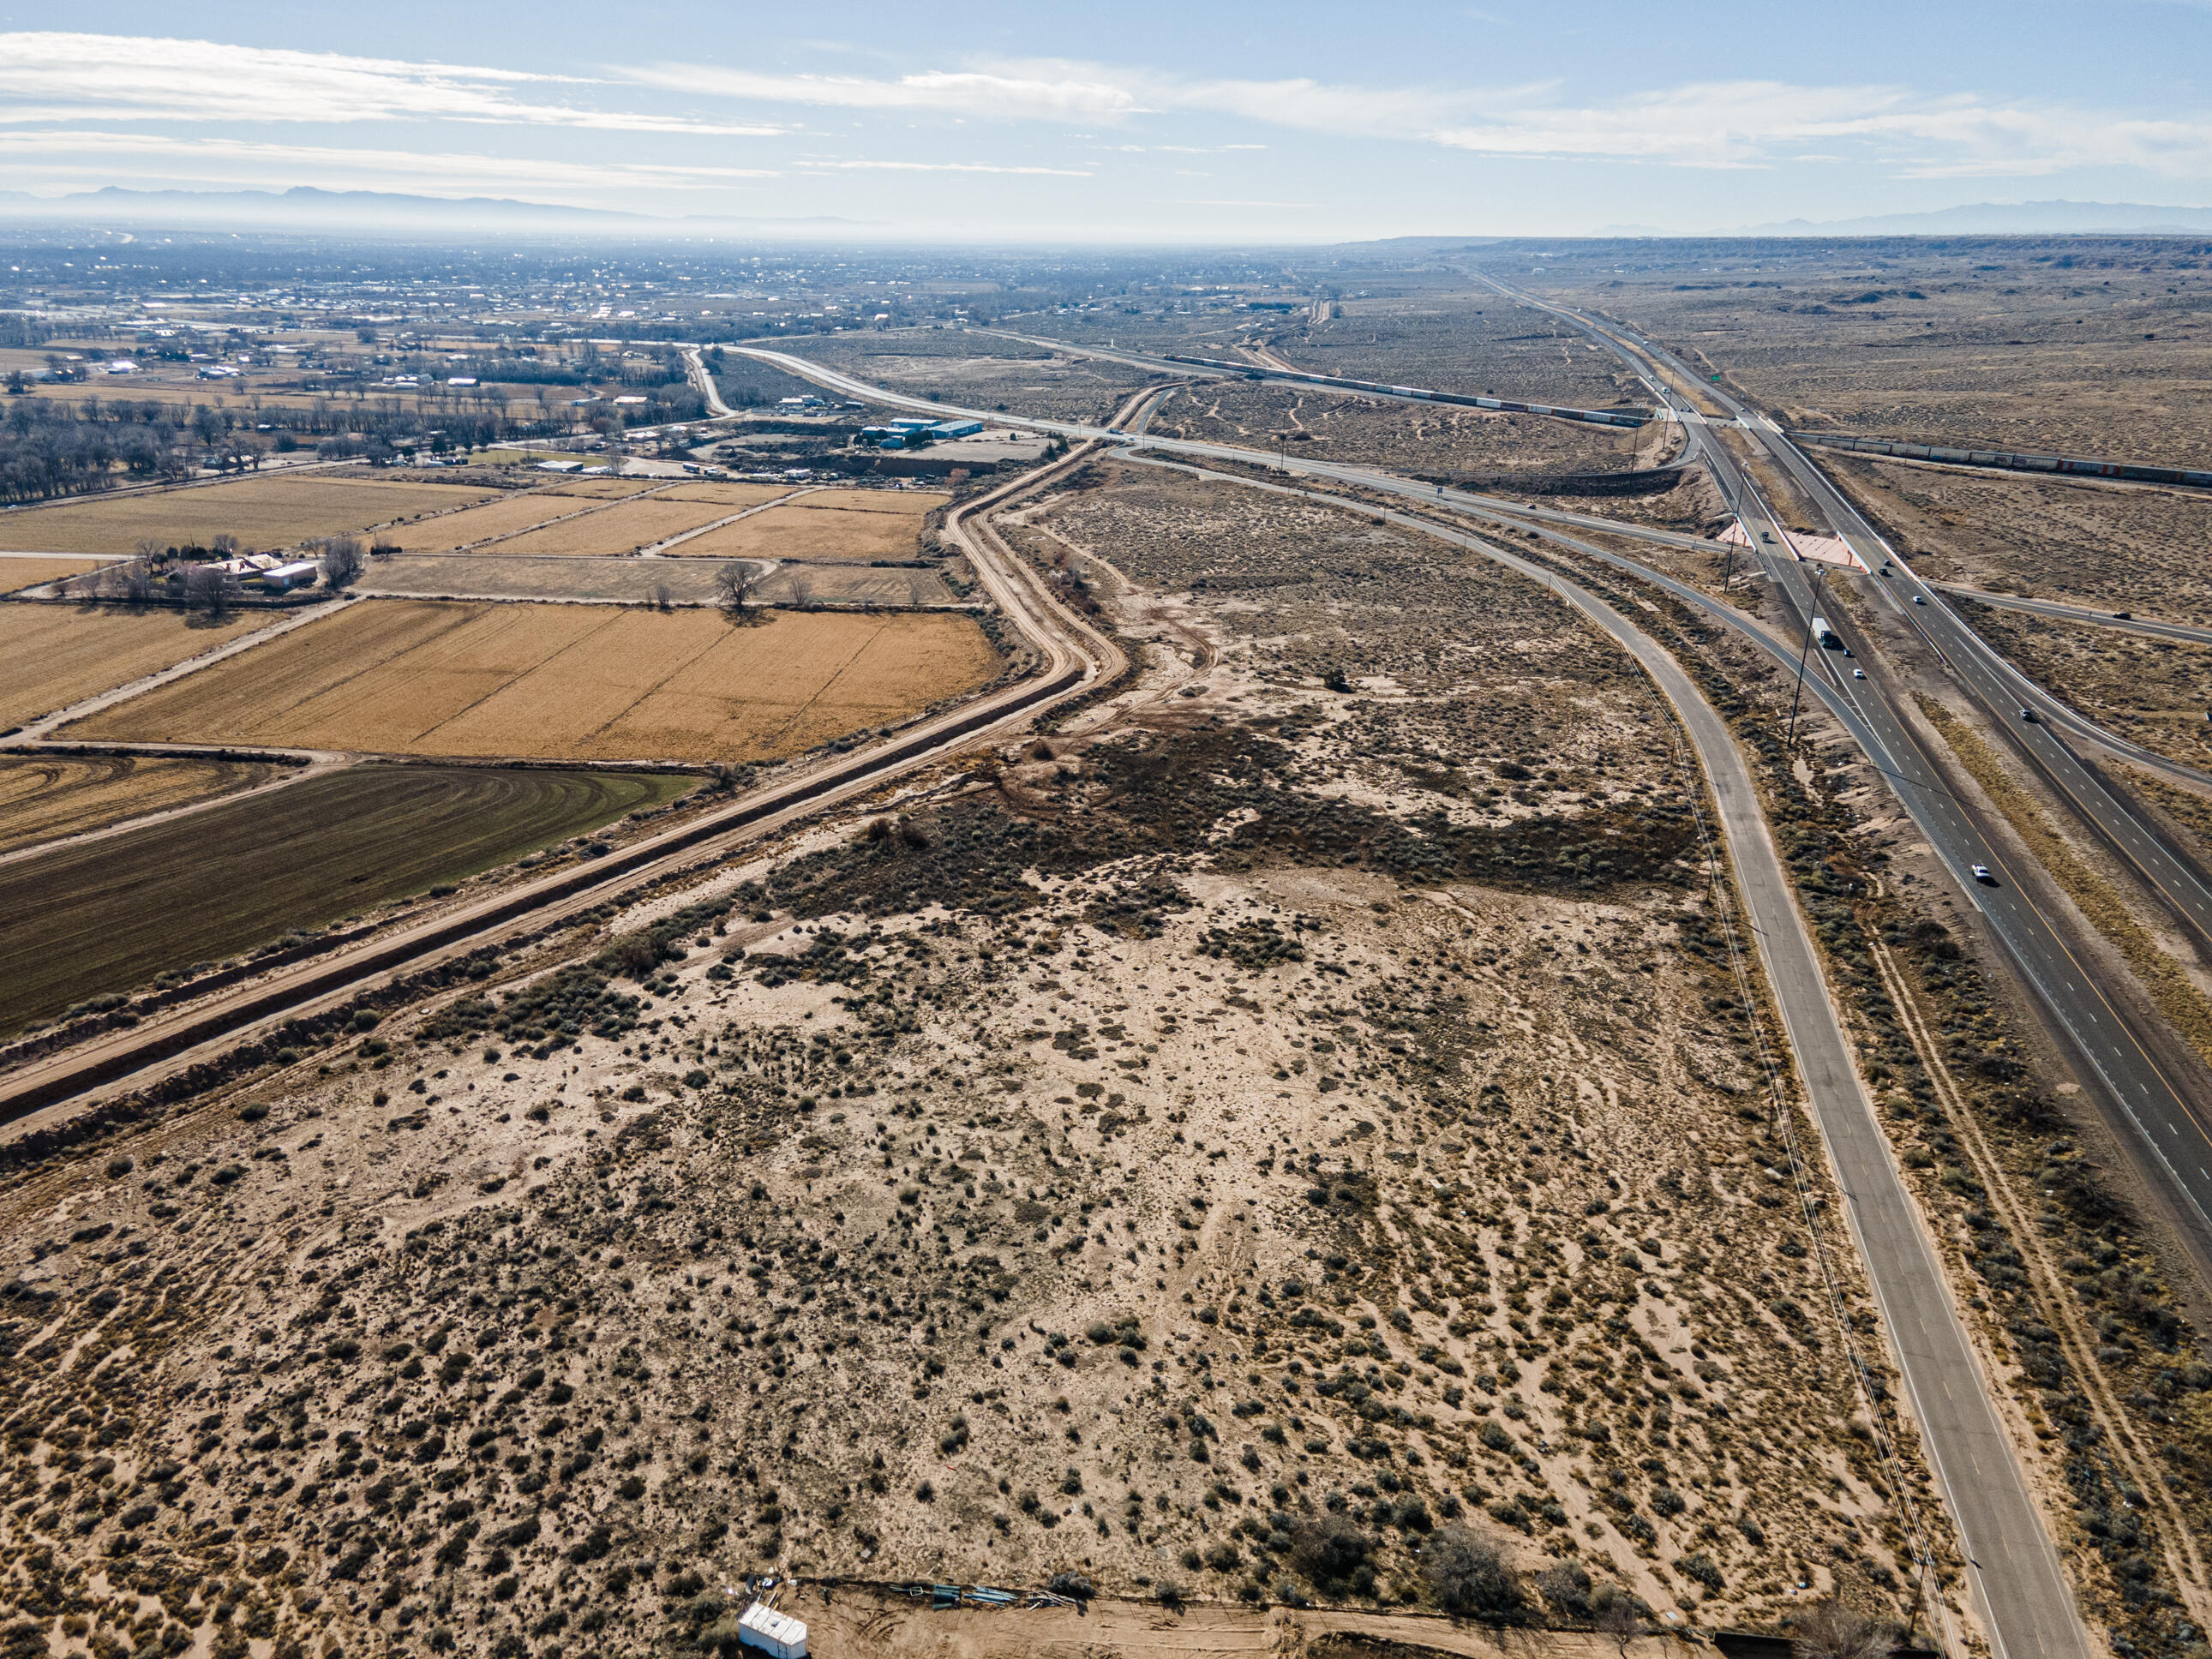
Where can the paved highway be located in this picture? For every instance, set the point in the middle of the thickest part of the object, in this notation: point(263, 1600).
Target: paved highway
point(2077, 613)
point(2155, 1087)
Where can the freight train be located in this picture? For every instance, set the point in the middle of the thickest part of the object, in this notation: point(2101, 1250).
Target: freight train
point(2010, 461)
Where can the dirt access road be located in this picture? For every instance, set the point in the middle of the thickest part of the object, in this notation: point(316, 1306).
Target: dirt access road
point(871, 1621)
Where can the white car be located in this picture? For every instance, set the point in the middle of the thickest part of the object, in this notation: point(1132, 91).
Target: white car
point(1858, 673)
point(1982, 874)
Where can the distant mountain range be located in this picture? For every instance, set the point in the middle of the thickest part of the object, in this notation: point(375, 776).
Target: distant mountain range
point(379, 213)
point(2008, 219)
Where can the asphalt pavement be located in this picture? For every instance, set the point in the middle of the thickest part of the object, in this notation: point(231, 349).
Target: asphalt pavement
point(2154, 1088)
point(2077, 613)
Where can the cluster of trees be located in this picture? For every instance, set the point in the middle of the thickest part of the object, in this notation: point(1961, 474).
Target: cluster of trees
point(49, 449)
point(195, 575)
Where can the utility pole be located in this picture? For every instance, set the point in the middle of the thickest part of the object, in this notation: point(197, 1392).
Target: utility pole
point(1804, 653)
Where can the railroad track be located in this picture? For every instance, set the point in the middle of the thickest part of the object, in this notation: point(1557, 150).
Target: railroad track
point(1074, 659)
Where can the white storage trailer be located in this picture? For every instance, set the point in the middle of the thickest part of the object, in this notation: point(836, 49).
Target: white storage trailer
point(776, 1634)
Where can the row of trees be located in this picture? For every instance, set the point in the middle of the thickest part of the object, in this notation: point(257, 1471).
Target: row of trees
point(49, 449)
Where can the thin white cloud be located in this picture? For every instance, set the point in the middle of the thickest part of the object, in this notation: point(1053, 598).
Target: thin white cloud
point(1044, 96)
point(947, 167)
point(68, 156)
point(54, 76)
point(1715, 124)
point(1760, 123)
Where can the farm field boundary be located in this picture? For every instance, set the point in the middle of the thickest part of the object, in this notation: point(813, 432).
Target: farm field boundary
point(268, 510)
point(85, 705)
point(564, 682)
point(47, 798)
point(1075, 658)
point(106, 916)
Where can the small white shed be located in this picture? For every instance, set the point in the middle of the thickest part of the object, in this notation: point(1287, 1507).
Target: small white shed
point(300, 573)
point(777, 1634)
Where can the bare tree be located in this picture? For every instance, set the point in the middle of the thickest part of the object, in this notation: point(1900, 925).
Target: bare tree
point(213, 592)
point(663, 597)
point(734, 584)
point(1468, 1574)
point(1835, 1629)
point(223, 545)
point(343, 561)
point(131, 581)
point(802, 589)
point(1621, 1622)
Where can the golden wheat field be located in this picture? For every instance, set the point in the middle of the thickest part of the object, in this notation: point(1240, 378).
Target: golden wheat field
point(267, 512)
point(732, 497)
point(567, 682)
point(17, 574)
point(504, 517)
point(621, 528)
point(45, 797)
point(804, 532)
point(905, 503)
point(602, 490)
point(51, 656)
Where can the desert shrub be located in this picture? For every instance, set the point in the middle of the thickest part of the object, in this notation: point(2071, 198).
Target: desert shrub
point(1565, 1589)
point(1467, 1574)
point(1076, 1586)
point(1329, 1551)
point(1701, 1568)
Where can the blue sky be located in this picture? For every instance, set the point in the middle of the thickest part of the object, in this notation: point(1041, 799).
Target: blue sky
point(1136, 121)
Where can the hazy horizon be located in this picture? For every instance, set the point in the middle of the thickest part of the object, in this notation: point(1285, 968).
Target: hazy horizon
point(1173, 125)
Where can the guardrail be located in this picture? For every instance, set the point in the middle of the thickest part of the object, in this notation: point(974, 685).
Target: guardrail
point(2009, 461)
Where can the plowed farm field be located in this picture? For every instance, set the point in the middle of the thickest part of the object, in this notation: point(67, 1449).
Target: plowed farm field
point(268, 512)
point(811, 528)
point(602, 490)
point(505, 517)
point(110, 915)
point(46, 796)
point(566, 682)
point(17, 574)
point(623, 528)
point(914, 504)
point(639, 581)
point(51, 656)
point(735, 497)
